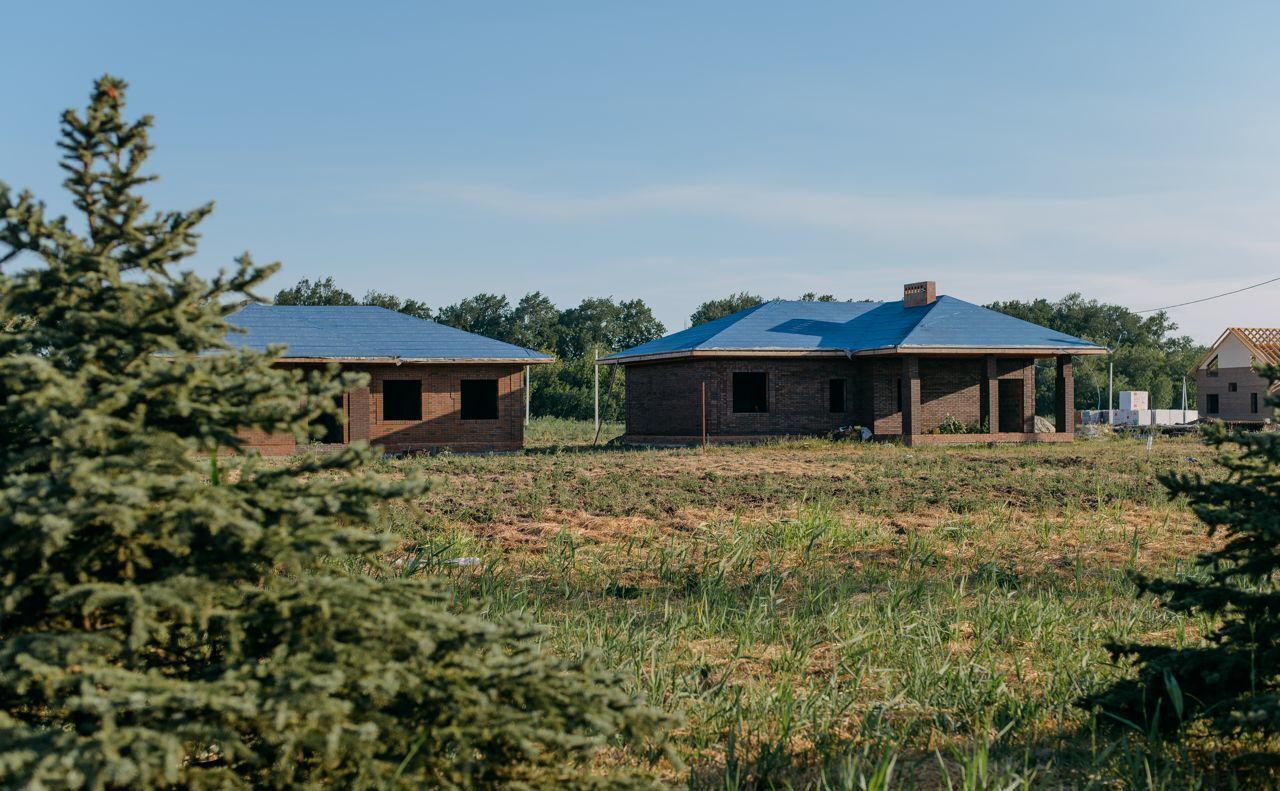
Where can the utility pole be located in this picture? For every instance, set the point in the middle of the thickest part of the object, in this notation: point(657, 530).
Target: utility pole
point(1111, 370)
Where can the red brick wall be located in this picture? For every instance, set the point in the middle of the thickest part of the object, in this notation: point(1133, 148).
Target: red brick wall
point(268, 444)
point(950, 387)
point(664, 399)
point(441, 426)
point(886, 375)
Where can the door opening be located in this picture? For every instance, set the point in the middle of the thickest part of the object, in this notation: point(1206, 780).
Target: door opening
point(333, 433)
point(1011, 406)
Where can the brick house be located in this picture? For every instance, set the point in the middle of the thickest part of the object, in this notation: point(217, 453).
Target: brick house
point(430, 386)
point(1228, 387)
point(902, 369)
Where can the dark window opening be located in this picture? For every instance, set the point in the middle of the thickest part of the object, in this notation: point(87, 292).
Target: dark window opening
point(1212, 368)
point(402, 399)
point(1233, 387)
point(479, 399)
point(1211, 404)
point(332, 425)
point(750, 392)
point(835, 395)
point(1253, 403)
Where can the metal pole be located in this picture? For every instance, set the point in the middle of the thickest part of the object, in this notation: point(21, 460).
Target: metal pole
point(1184, 399)
point(597, 367)
point(1111, 369)
point(526, 395)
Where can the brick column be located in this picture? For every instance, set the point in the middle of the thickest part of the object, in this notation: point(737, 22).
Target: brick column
point(358, 414)
point(989, 410)
point(1065, 397)
point(910, 396)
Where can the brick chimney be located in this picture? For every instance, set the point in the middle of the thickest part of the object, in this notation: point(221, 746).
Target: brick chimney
point(917, 295)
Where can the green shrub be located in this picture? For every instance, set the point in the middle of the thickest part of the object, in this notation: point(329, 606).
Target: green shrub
point(953, 425)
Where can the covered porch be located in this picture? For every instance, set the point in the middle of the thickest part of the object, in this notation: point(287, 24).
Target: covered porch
point(992, 396)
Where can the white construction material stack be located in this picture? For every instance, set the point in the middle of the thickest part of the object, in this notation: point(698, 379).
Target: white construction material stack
point(1133, 411)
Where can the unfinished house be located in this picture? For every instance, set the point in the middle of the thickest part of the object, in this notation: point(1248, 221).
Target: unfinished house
point(1228, 386)
point(430, 386)
point(926, 369)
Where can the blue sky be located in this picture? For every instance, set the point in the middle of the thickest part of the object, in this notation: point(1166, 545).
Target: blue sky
point(682, 151)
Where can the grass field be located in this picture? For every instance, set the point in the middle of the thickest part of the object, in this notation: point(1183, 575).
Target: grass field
point(821, 615)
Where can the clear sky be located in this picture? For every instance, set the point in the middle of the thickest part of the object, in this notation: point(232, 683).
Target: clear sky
point(682, 151)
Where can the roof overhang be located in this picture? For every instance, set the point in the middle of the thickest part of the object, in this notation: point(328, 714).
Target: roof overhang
point(422, 360)
point(884, 351)
point(1006, 351)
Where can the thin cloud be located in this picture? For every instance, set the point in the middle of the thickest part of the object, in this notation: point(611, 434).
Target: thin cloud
point(1144, 221)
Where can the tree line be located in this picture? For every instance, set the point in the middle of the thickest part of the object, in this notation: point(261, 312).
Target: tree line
point(1148, 354)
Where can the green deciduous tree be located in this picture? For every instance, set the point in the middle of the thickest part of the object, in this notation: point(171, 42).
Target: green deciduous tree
point(1231, 680)
point(598, 324)
point(719, 308)
point(326, 292)
point(172, 620)
point(565, 389)
point(411, 307)
point(319, 292)
point(483, 314)
point(1147, 354)
point(535, 323)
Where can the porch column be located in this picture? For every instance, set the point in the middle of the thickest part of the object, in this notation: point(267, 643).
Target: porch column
point(989, 409)
point(1065, 397)
point(910, 397)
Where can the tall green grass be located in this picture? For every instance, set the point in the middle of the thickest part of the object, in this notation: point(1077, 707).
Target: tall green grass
point(838, 616)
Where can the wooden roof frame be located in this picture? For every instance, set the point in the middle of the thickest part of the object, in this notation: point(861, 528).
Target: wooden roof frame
point(1257, 351)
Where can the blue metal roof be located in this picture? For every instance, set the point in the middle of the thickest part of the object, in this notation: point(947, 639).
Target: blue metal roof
point(851, 327)
point(364, 333)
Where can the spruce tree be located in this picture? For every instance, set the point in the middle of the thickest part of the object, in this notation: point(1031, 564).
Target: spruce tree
point(1231, 682)
point(174, 617)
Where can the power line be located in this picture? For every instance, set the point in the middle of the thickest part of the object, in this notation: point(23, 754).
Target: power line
point(1206, 299)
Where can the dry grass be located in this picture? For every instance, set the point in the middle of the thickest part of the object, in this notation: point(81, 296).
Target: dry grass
point(816, 610)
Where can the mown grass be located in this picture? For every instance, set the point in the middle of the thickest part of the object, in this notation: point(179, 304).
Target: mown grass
point(839, 615)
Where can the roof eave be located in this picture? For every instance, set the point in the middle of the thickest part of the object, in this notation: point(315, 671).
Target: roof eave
point(1035, 351)
point(434, 360)
point(879, 351)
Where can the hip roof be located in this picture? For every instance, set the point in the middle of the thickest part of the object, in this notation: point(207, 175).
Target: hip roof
point(365, 333)
point(851, 328)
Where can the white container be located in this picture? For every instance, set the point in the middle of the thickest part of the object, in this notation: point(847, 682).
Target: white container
point(1133, 400)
